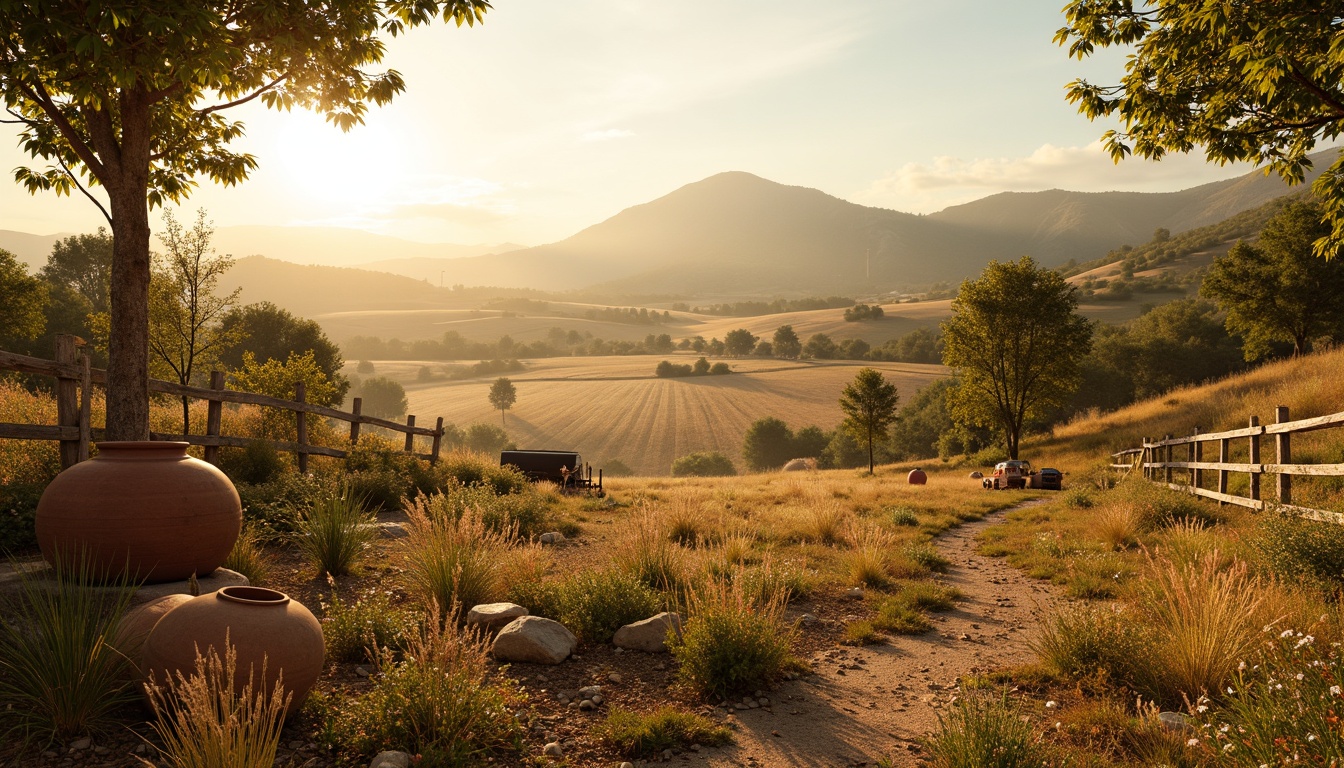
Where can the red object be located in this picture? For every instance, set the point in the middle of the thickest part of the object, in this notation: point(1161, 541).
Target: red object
point(137, 624)
point(917, 477)
point(146, 508)
point(262, 624)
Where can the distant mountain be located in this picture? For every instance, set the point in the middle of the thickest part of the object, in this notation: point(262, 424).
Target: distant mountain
point(31, 249)
point(339, 247)
point(309, 289)
point(434, 269)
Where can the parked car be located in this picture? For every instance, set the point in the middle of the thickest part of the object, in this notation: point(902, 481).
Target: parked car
point(1008, 474)
point(1049, 479)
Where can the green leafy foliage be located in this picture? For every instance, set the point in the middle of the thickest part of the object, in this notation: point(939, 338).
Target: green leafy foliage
point(356, 632)
point(1294, 547)
point(637, 735)
point(869, 404)
point(594, 604)
point(731, 642)
point(272, 333)
point(503, 395)
point(22, 313)
point(980, 732)
point(703, 464)
point(785, 342)
point(381, 397)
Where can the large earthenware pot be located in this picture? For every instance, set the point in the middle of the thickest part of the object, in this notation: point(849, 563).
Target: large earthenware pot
point(917, 477)
point(142, 508)
point(261, 624)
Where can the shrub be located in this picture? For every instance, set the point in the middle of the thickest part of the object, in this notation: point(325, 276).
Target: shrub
point(1082, 641)
point(904, 517)
point(731, 643)
point(720, 369)
point(438, 702)
point(594, 604)
point(257, 463)
point(526, 512)
point(470, 469)
point(1078, 497)
point(18, 517)
point(1293, 547)
point(647, 554)
point(637, 735)
point(205, 723)
point(616, 468)
point(384, 474)
point(354, 632)
point(274, 506)
point(60, 674)
point(453, 562)
point(703, 464)
point(248, 556)
point(336, 530)
point(979, 732)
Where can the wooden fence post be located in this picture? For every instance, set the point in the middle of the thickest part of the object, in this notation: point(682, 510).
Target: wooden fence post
point(1196, 453)
point(357, 409)
point(67, 398)
point(214, 414)
point(1254, 459)
point(1224, 456)
point(301, 396)
point(410, 436)
point(85, 407)
point(1145, 456)
point(1166, 458)
point(1283, 450)
point(438, 439)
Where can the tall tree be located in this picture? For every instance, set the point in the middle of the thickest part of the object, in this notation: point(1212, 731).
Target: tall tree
point(1253, 81)
point(502, 396)
point(1016, 343)
point(22, 311)
point(869, 403)
point(84, 263)
point(786, 342)
point(1276, 290)
point(185, 309)
point(128, 96)
point(739, 342)
point(272, 333)
point(767, 444)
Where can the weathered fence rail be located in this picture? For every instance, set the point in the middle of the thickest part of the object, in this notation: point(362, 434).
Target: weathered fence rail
point(1158, 461)
point(75, 380)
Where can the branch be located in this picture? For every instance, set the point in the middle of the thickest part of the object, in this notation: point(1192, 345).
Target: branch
point(39, 95)
point(236, 102)
point(86, 192)
point(1330, 99)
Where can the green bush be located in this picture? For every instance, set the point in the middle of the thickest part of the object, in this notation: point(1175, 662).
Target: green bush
point(274, 506)
point(703, 464)
point(257, 463)
point(470, 469)
point(18, 518)
point(438, 702)
point(594, 604)
point(336, 530)
point(731, 643)
point(355, 632)
point(904, 517)
point(979, 732)
point(1083, 641)
point(452, 563)
point(1292, 546)
point(637, 735)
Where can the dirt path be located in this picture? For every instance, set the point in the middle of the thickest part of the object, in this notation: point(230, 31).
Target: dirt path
point(866, 703)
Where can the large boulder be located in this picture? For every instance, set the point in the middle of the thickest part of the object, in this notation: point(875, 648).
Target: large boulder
point(534, 640)
point(649, 635)
point(800, 465)
point(492, 616)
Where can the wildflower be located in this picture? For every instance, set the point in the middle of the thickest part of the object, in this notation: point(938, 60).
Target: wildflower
point(1335, 690)
point(1202, 708)
point(1308, 640)
point(1286, 633)
point(1192, 742)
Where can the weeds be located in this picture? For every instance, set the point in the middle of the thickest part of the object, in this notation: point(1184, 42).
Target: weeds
point(248, 556)
point(336, 530)
point(353, 631)
point(594, 604)
point(980, 732)
point(635, 735)
point(732, 643)
point(453, 562)
point(1292, 546)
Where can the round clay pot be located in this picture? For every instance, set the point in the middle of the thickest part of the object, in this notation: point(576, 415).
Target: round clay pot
point(917, 477)
point(143, 509)
point(262, 624)
point(137, 623)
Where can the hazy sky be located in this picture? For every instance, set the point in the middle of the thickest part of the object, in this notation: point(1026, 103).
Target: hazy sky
point(553, 116)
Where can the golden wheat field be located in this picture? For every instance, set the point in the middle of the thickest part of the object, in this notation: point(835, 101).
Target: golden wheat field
point(614, 408)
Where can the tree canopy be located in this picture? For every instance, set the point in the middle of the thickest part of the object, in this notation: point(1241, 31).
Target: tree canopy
point(1253, 81)
point(503, 395)
point(767, 444)
point(84, 263)
point(272, 333)
point(739, 342)
point(1275, 290)
point(1016, 343)
point(786, 342)
point(129, 97)
point(22, 312)
point(869, 403)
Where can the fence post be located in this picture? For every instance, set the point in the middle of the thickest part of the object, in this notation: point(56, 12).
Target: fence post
point(301, 396)
point(1283, 450)
point(1196, 454)
point(1224, 456)
point(214, 414)
point(410, 436)
point(1166, 459)
point(67, 398)
point(438, 438)
point(1145, 456)
point(1255, 459)
point(356, 410)
point(85, 406)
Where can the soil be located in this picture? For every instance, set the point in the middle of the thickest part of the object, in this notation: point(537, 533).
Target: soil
point(855, 706)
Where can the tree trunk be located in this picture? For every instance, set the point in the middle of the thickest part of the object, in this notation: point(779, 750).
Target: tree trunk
point(128, 345)
point(870, 451)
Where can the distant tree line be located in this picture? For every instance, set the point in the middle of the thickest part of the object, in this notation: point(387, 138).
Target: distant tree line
point(453, 346)
point(669, 370)
point(861, 312)
point(776, 307)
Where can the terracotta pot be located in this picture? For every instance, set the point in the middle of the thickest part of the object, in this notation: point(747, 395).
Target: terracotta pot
point(146, 509)
point(917, 477)
point(137, 623)
point(262, 624)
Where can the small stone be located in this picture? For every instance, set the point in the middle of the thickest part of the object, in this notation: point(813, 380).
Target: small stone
point(81, 743)
point(362, 671)
point(965, 636)
point(589, 691)
point(649, 635)
point(296, 744)
point(754, 705)
point(615, 677)
point(854, 593)
point(764, 702)
point(587, 705)
point(1051, 704)
point(1174, 721)
point(140, 749)
point(534, 640)
point(667, 754)
point(101, 750)
point(551, 537)
point(807, 618)
point(597, 699)
point(620, 649)
point(391, 759)
point(553, 749)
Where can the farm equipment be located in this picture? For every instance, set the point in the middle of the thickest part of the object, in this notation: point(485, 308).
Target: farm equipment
point(1019, 474)
point(564, 468)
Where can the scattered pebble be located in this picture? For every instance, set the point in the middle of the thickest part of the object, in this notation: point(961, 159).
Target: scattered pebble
point(553, 749)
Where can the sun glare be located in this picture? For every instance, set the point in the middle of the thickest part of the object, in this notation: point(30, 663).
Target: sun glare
point(347, 170)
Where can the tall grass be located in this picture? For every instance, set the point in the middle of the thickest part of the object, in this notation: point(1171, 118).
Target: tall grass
point(204, 722)
point(336, 530)
point(248, 556)
point(453, 562)
point(730, 642)
point(980, 732)
point(60, 674)
point(645, 552)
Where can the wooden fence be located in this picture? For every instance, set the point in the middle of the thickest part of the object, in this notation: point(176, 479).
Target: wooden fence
point(75, 380)
point(1159, 463)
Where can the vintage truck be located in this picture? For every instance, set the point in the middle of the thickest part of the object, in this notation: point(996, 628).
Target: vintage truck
point(1019, 474)
point(566, 469)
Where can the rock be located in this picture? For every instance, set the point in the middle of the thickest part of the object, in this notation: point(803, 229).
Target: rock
point(553, 537)
point(615, 677)
point(101, 750)
point(391, 760)
point(807, 618)
point(855, 593)
point(597, 699)
point(627, 764)
point(667, 754)
point(492, 616)
point(362, 671)
point(534, 640)
point(649, 635)
point(553, 749)
point(799, 465)
point(81, 743)
point(587, 705)
point(976, 475)
point(1174, 721)
point(393, 531)
point(590, 691)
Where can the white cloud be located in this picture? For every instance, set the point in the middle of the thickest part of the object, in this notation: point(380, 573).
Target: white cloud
point(607, 134)
point(931, 186)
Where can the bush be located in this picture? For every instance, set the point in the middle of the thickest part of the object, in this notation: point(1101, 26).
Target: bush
point(453, 562)
point(204, 723)
point(1293, 547)
point(1084, 641)
point(616, 468)
point(634, 735)
point(438, 702)
point(903, 516)
point(486, 438)
point(719, 369)
point(985, 733)
point(731, 643)
point(666, 369)
point(355, 632)
point(703, 464)
point(18, 517)
point(385, 475)
point(60, 672)
point(469, 468)
point(336, 531)
point(257, 463)
point(594, 604)
point(248, 557)
point(274, 506)
point(525, 513)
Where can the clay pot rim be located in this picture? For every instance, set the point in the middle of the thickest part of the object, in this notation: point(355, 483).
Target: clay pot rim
point(137, 449)
point(252, 595)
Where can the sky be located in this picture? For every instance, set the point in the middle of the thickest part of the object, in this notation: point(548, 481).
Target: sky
point(551, 117)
